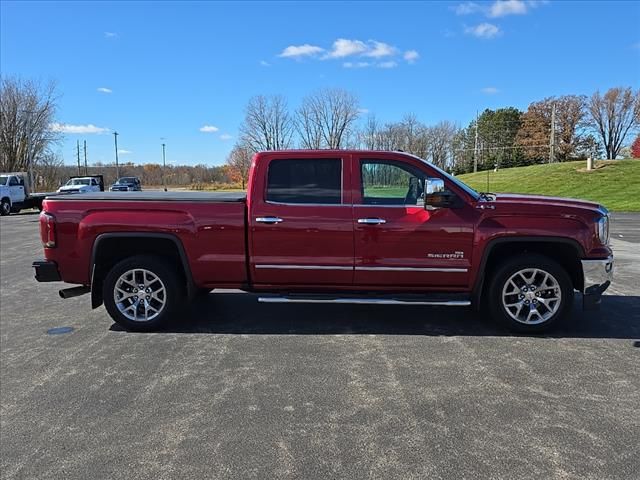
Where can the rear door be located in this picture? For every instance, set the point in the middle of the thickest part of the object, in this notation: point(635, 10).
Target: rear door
point(398, 243)
point(301, 221)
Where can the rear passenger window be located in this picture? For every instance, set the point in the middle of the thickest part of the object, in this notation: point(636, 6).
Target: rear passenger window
point(305, 181)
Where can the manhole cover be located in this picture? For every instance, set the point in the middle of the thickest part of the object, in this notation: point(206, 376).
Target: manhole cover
point(59, 330)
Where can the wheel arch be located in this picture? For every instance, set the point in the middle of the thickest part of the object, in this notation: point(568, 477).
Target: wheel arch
point(565, 251)
point(125, 244)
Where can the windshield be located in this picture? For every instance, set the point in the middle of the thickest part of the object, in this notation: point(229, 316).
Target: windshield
point(126, 180)
point(448, 176)
point(4, 179)
point(78, 181)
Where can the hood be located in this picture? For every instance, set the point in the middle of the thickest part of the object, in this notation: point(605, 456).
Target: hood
point(74, 188)
point(517, 199)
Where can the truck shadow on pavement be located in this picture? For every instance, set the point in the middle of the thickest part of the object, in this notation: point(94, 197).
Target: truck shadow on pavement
point(237, 313)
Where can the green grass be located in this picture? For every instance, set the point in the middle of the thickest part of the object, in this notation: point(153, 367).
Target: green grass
point(613, 183)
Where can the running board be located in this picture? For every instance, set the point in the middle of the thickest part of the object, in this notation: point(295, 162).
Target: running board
point(363, 301)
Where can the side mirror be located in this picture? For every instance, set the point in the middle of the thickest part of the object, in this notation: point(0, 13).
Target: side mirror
point(437, 196)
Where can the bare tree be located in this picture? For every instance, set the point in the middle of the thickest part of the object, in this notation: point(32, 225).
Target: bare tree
point(442, 137)
point(267, 124)
point(26, 111)
point(326, 118)
point(613, 115)
point(239, 162)
point(369, 135)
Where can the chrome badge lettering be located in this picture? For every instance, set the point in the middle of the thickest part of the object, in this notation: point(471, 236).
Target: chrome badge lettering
point(455, 254)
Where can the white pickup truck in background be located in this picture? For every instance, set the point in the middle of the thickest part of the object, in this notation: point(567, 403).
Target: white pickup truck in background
point(81, 185)
point(16, 193)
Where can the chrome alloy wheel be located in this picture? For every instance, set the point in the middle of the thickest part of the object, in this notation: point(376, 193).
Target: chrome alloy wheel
point(531, 296)
point(140, 295)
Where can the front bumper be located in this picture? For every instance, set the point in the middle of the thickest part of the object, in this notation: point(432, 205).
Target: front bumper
point(598, 275)
point(46, 271)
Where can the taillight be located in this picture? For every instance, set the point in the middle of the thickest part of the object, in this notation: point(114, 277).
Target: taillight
point(48, 229)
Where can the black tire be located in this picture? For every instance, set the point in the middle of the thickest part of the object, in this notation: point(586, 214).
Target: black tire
point(546, 265)
point(168, 275)
point(5, 207)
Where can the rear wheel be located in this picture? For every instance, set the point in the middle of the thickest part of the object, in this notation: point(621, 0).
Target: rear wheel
point(5, 207)
point(530, 293)
point(141, 293)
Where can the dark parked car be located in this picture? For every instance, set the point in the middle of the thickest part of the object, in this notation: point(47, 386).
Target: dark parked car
point(126, 184)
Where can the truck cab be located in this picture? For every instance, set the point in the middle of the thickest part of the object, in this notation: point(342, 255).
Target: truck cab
point(12, 192)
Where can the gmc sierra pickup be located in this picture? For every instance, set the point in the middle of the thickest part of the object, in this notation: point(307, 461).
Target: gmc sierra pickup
point(331, 227)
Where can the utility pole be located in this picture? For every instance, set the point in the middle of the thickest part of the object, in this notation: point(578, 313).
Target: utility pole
point(115, 138)
point(78, 150)
point(475, 149)
point(86, 172)
point(164, 166)
point(552, 140)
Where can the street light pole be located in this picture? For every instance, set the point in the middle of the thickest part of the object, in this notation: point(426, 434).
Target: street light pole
point(115, 138)
point(164, 167)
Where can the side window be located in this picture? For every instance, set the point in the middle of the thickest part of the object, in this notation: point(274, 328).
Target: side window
point(391, 183)
point(13, 182)
point(305, 181)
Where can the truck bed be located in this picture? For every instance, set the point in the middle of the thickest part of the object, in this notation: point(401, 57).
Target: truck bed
point(154, 196)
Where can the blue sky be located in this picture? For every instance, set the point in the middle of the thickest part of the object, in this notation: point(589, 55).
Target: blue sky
point(168, 69)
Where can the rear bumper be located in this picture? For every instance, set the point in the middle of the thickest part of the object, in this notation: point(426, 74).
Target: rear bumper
point(46, 271)
point(598, 275)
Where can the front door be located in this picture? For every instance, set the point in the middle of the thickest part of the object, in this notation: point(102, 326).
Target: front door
point(301, 222)
point(398, 243)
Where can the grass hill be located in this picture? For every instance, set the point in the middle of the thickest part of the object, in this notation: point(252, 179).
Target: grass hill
point(613, 183)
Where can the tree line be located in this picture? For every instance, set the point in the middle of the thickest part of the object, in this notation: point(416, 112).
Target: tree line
point(562, 128)
point(597, 125)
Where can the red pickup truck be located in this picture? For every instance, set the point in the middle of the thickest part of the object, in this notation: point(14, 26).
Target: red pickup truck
point(331, 227)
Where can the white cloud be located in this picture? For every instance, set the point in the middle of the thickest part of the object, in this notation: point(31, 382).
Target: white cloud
point(371, 53)
point(104, 90)
point(209, 129)
point(76, 129)
point(356, 64)
point(345, 48)
point(502, 8)
point(411, 56)
point(110, 34)
point(363, 111)
point(226, 136)
point(124, 152)
point(297, 51)
point(264, 63)
point(467, 8)
point(490, 90)
point(483, 30)
point(380, 49)
point(499, 8)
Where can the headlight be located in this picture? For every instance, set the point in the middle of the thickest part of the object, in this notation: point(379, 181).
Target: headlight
point(602, 229)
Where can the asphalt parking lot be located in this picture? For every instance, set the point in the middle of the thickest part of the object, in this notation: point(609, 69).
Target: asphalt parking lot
point(242, 390)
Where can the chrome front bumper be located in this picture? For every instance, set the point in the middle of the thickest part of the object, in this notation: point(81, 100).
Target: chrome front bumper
point(598, 275)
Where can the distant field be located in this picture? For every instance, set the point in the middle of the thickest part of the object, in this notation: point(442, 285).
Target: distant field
point(614, 183)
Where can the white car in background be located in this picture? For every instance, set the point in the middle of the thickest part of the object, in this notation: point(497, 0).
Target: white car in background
point(80, 185)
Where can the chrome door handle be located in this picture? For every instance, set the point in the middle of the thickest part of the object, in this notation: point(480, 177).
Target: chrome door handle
point(269, 220)
point(372, 221)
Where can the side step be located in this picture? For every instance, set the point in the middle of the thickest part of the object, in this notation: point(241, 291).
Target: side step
point(441, 301)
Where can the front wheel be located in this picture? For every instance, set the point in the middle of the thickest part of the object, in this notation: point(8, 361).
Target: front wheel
point(5, 207)
point(530, 293)
point(141, 293)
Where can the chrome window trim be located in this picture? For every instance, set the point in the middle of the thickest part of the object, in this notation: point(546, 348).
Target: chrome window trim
point(270, 202)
